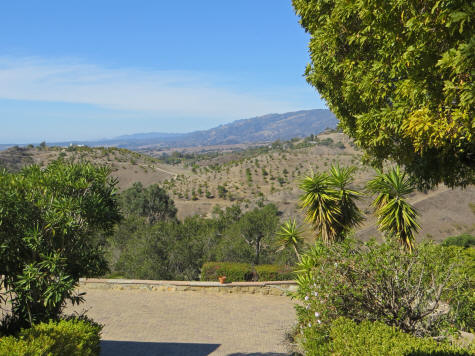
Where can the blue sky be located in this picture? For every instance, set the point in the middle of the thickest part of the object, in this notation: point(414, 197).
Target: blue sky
point(96, 69)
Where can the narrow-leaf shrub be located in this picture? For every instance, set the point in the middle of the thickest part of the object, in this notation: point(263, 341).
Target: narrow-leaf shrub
point(51, 221)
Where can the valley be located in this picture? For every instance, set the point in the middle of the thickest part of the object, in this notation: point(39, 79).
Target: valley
point(202, 177)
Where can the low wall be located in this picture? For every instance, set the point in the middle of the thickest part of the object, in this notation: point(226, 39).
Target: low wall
point(264, 288)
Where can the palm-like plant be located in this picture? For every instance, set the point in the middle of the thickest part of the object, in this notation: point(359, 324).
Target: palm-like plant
point(396, 217)
point(290, 235)
point(329, 204)
point(350, 216)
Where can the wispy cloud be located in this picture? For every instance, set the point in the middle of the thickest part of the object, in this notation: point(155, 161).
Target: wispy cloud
point(171, 93)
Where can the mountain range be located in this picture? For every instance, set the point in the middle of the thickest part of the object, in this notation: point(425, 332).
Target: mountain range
point(265, 128)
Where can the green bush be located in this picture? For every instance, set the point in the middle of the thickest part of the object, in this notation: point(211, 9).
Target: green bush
point(424, 293)
point(66, 337)
point(233, 271)
point(376, 338)
point(239, 272)
point(274, 273)
point(53, 223)
point(464, 240)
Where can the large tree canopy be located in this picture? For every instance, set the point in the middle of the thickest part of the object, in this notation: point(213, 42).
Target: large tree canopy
point(152, 203)
point(398, 74)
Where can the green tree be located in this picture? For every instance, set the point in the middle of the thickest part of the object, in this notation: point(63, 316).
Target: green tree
point(329, 204)
point(152, 203)
point(222, 191)
point(50, 220)
point(258, 226)
point(398, 74)
point(290, 235)
point(396, 217)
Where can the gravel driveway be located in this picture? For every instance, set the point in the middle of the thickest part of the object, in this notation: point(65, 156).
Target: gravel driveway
point(141, 322)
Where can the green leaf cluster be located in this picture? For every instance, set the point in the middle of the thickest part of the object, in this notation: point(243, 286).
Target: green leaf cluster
point(176, 250)
point(72, 337)
point(329, 203)
point(50, 220)
point(398, 74)
point(376, 338)
point(426, 293)
point(396, 217)
point(152, 203)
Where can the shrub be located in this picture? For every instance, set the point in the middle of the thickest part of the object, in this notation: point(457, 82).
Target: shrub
point(274, 273)
point(464, 240)
point(73, 338)
point(52, 227)
point(424, 293)
point(239, 272)
point(376, 338)
point(233, 271)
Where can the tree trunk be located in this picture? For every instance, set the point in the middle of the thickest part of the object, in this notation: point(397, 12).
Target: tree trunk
point(258, 250)
point(297, 253)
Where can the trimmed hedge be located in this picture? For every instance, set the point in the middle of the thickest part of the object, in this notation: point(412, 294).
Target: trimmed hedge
point(239, 272)
point(464, 240)
point(274, 273)
point(72, 338)
point(376, 338)
point(234, 272)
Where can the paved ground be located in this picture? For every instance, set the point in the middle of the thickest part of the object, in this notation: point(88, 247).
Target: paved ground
point(139, 322)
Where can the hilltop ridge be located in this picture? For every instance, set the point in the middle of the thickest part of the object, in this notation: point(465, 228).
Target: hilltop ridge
point(264, 128)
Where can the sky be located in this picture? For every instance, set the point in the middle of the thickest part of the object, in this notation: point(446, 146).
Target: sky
point(88, 69)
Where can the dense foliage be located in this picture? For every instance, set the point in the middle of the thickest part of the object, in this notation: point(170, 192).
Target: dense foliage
point(152, 202)
point(234, 271)
point(176, 250)
point(71, 337)
point(376, 338)
point(49, 224)
point(241, 272)
point(275, 273)
point(398, 74)
point(464, 240)
point(424, 293)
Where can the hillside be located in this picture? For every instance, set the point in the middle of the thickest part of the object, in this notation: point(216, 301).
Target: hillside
point(200, 178)
point(258, 129)
point(261, 129)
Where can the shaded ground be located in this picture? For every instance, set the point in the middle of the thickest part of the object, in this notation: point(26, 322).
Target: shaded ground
point(140, 322)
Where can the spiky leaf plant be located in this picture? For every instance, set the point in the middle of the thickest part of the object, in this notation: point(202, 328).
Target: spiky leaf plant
point(329, 204)
point(290, 235)
point(396, 217)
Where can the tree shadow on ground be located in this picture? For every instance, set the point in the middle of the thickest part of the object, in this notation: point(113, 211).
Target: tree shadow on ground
point(134, 348)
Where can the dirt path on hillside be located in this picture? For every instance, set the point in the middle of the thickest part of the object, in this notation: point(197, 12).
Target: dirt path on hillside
point(140, 322)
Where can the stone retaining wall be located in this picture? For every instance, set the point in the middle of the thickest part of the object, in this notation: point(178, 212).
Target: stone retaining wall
point(264, 288)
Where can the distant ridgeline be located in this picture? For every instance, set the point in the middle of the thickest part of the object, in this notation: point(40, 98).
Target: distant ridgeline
point(265, 128)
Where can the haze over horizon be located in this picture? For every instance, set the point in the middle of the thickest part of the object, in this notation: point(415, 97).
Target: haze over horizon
point(99, 70)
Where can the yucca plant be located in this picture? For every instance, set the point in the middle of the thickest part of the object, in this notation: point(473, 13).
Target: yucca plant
point(290, 235)
point(350, 216)
point(396, 217)
point(329, 204)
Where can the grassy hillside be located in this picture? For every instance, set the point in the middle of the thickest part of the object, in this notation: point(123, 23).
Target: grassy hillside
point(198, 179)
